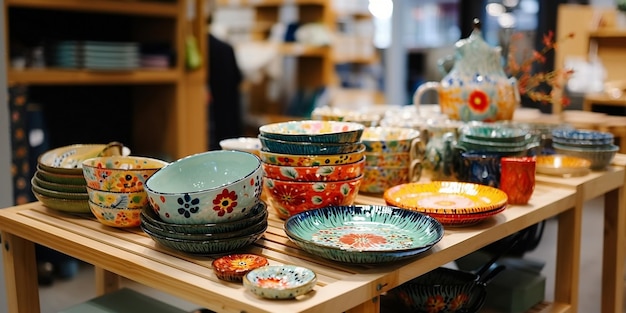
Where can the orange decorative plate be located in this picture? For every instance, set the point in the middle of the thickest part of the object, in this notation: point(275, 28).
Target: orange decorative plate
point(460, 220)
point(557, 164)
point(445, 197)
point(234, 267)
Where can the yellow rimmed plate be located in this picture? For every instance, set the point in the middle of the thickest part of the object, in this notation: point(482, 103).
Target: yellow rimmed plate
point(560, 165)
point(445, 197)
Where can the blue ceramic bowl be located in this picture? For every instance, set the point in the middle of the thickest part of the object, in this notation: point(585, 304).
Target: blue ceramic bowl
point(363, 234)
point(582, 137)
point(308, 148)
point(314, 131)
point(211, 187)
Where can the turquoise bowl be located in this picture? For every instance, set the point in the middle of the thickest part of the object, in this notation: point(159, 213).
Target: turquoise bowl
point(280, 281)
point(308, 148)
point(257, 214)
point(314, 131)
point(495, 133)
point(363, 234)
point(211, 187)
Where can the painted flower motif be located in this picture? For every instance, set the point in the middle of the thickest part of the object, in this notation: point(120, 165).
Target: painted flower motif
point(359, 241)
point(188, 205)
point(435, 304)
point(272, 282)
point(458, 301)
point(478, 100)
point(128, 183)
point(225, 202)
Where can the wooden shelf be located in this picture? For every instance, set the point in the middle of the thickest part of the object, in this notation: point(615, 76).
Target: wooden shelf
point(261, 3)
point(82, 77)
point(105, 6)
point(608, 33)
point(296, 49)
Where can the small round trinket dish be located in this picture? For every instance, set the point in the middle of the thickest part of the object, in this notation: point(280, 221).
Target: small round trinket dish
point(234, 267)
point(280, 281)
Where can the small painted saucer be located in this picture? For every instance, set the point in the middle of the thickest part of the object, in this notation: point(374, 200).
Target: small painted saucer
point(234, 267)
point(280, 281)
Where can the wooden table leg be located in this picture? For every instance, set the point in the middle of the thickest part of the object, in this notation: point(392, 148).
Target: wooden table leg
point(20, 271)
point(568, 255)
point(613, 251)
point(106, 281)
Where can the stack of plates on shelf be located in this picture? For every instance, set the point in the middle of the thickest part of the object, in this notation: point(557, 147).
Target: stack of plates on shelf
point(108, 55)
point(363, 234)
point(68, 54)
point(596, 146)
point(499, 139)
point(451, 203)
point(208, 238)
point(59, 182)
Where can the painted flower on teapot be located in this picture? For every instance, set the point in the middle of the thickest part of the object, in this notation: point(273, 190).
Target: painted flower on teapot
point(476, 88)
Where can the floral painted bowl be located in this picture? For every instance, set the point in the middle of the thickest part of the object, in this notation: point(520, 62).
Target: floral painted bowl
point(322, 173)
point(205, 247)
point(290, 197)
point(446, 197)
point(234, 267)
point(386, 139)
point(68, 159)
point(280, 281)
point(116, 217)
point(311, 159)
point(313, 131)
point(399, 159)
point(120, 173)
point(211, 187)
point(118, 200)
point(307, 148)
point(582, 137)
point(377, 179)
point(363, 234)
point(257, 214)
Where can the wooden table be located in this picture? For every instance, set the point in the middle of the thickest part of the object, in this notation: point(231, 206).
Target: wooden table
point(341, 287)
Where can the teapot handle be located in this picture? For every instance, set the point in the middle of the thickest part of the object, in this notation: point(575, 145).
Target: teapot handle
point(419, 93)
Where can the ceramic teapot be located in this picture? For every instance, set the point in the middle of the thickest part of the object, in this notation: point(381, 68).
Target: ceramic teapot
point(476, 88)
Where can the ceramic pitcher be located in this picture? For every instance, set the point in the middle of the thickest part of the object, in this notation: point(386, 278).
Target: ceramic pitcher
point(476, 88)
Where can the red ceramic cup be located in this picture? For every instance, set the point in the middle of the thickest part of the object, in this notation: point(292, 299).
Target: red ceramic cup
point(517, 178)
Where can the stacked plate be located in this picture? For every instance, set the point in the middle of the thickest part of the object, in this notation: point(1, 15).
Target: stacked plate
point(363, 234)
point(59, 182)
point(596, 146)
point(451, 203)
point(495, 138)
point(99, 55)
point(311, 164)
point(209, 238)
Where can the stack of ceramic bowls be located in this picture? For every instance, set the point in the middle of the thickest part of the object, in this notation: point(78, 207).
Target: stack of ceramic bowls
point(59, 183)
point(206, 203)
point(392, 157)
point(115, 186)
point(326, 113)
point(497, 139)
point(596, 146)
point(311, 164)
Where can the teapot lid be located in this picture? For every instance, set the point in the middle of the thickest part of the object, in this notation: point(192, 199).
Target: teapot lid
point(475, 38)
point(476, 54)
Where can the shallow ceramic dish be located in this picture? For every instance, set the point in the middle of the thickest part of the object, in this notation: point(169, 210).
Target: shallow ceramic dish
point(314, 131)
point(210, 187)
point(311, 159)
point(118, 200)
point(290, 197)
point(252, 229)
point(41, 181)
point(495, 133)
point(234, 267)
point(120, 173)
point(280, 281)
point(469, 219)
point(205, 247)
point(562, 165)
point(257, 214)
point(68, 159)
point(116, 217)
point(600, 158)
point(386, 139)
point(364, 234)
point(307, 148)
point(57, 194)
point(248, 144)
point(71, 179)
point(321, 173)
point(445, 197)
point(64, 205)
